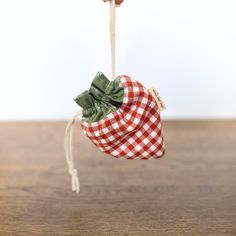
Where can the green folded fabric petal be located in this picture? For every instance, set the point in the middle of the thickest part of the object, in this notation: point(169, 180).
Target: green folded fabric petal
point(103, 97)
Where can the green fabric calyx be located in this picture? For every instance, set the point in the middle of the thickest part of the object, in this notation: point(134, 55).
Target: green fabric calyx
point(103, 98)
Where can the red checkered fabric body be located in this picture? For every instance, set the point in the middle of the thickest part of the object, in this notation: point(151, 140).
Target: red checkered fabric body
point(134, 131)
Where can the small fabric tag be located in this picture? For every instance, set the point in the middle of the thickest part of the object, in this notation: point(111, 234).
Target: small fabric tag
point(158, 98)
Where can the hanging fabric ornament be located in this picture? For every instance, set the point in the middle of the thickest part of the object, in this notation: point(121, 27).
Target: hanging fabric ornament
point(121, 117)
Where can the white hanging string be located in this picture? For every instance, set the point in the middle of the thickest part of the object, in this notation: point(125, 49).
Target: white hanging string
point(69, 152)
point(70, 126)
point(113, 37)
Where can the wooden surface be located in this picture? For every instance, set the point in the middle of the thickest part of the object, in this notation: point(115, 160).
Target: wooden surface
point(191, 191)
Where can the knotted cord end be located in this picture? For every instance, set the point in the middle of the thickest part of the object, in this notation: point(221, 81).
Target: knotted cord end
point(74, 180)
point(69, 153)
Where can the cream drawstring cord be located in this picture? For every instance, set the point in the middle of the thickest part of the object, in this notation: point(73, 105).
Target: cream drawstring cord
point(70, 126)
point(113, 37)
point(69, 152)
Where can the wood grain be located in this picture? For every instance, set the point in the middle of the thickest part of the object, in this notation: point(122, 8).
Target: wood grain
point(191, 191)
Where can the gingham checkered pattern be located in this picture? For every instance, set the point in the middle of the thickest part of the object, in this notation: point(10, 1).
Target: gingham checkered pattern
point(133, 131)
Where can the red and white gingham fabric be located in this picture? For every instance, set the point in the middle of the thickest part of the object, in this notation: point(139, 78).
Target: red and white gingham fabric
point(134, 131)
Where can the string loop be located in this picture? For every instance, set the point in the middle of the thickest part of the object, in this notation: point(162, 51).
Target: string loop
point(113, 37)
point(70, 126)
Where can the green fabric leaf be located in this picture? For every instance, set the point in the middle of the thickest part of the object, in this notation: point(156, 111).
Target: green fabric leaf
point(103, 97)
